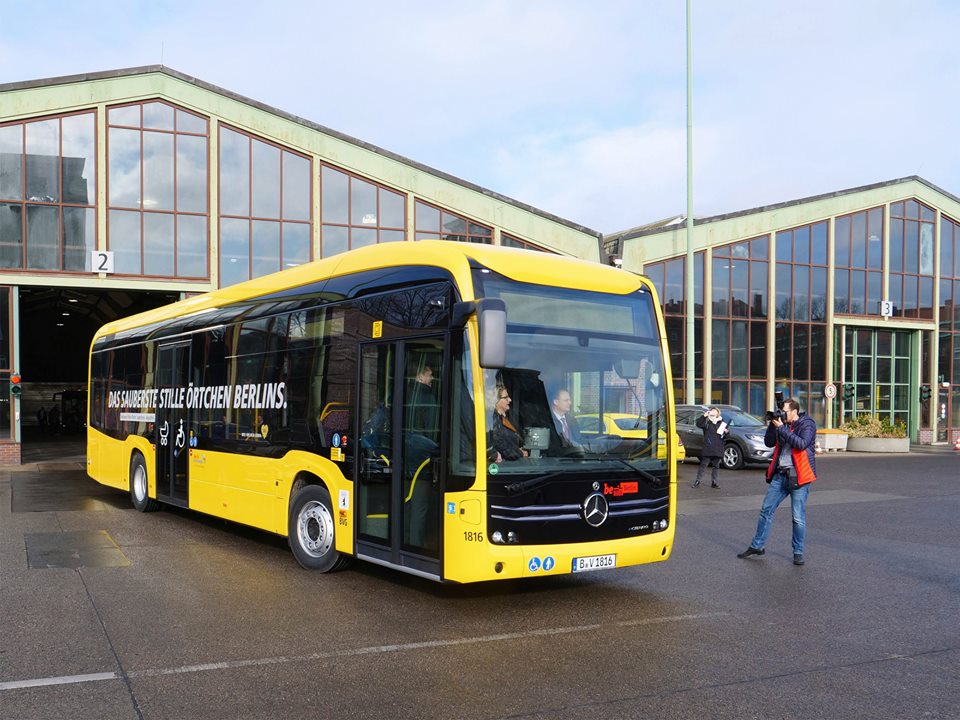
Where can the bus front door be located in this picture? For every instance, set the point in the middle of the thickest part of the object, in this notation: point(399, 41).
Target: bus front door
point(172, 423)
point(399, 468)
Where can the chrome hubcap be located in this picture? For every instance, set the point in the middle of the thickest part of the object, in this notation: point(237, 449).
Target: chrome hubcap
point(315, 529)
point(140, 484)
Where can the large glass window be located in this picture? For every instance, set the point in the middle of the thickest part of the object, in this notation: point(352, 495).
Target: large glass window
point(801, 312)
point(356, 212)
point(948, 360)
point(740, 309)
point(432, 223)
point(510, 241)
point(157, 189)
point(911, 259)
point(265, 215)
point(858, 258)
point(48, 188)
point(669, 278)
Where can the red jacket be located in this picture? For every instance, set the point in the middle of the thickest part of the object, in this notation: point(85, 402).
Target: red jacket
point(801, 438)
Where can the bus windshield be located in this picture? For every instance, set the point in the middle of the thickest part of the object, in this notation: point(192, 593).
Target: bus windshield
point(583, 385)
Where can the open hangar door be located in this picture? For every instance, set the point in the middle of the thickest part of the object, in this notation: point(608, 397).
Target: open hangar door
point(56, 327)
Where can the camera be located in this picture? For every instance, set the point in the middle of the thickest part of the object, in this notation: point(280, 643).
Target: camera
point(778, 413)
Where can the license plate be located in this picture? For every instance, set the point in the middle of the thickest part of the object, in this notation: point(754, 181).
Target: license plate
point(594, 562)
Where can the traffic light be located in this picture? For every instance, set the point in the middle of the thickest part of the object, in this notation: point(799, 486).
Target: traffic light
point(15, 386)
point(849, 389)
point(924, 393)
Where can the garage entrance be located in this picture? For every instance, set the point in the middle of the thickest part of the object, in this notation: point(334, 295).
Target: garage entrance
point(56, 326)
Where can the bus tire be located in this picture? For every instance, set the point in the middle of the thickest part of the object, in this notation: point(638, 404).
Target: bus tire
point(139, 485)
point(310, 530)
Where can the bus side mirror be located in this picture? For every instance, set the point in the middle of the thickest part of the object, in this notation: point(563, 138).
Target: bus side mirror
point(492, 321)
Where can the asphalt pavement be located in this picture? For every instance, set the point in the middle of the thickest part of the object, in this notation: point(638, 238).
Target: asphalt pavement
point(109, 613)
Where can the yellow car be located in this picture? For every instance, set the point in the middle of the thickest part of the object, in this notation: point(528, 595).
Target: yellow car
point(625, 425)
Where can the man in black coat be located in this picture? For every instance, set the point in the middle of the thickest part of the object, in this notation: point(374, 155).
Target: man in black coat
point(714, 429)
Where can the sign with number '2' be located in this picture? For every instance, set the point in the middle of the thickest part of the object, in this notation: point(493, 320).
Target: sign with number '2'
point(101, 261)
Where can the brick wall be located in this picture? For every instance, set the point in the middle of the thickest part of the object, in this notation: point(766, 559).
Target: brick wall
point(9, 453)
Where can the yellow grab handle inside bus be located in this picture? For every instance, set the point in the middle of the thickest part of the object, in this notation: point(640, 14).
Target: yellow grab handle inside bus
point(413, 483)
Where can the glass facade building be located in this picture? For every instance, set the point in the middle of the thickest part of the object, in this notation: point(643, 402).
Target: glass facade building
point(846, 301)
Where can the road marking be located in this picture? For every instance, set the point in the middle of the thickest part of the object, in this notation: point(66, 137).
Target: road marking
point(62, 680)
point(370, 650)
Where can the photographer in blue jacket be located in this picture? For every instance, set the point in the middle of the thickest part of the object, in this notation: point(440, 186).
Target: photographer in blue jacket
point(791, 472)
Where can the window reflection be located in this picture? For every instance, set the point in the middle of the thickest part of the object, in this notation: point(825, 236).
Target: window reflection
point(191, 174)
point(125, 241)
point(43, 151)
point(265, 203)
point(42, 237)
point(78, 162)
point(265, 180)
point(11, 236)
point(435, 224)
point(157, 171)
point(265, 248)
point(124, 168)
point(48, 182)
point(79, 237)
point(158, 237)
point(358, 212)
point(234, 251)
point(11, 162)
point(192, 246)
point(296, 188)
point(157, 174)
point(911, 259)
point(511, 241)
point(157, 116)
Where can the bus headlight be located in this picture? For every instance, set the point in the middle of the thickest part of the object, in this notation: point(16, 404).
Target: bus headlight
point(497, 536)
point(512, 537)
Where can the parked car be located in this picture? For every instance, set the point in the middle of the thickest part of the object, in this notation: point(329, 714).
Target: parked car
point(743, 444)
point(625, 425)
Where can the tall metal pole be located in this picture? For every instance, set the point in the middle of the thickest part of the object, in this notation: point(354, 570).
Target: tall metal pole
point(689, 370)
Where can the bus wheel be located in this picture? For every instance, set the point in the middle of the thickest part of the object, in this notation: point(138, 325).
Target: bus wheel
point(138, 485)
point(310, 530)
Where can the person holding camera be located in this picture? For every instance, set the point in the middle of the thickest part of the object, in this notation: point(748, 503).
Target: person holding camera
point(791, 472)
point(714, 430)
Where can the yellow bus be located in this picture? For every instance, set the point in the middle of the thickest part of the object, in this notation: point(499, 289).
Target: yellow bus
point(399, 404)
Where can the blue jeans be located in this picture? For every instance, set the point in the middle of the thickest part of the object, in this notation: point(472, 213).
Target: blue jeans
point(798, 505)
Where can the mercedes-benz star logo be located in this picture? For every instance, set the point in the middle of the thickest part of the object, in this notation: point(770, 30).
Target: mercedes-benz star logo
point(595, 509)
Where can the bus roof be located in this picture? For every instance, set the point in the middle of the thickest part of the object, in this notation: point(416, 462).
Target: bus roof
point(522, 265)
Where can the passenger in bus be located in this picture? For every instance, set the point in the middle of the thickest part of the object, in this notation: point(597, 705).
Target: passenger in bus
point(565, 423)
point(423, 409)
point(505, 438)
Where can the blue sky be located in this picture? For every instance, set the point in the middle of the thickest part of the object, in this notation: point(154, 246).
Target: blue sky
point(574, 107)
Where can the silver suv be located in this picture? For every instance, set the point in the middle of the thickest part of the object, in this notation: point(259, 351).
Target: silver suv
point(744, 443)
